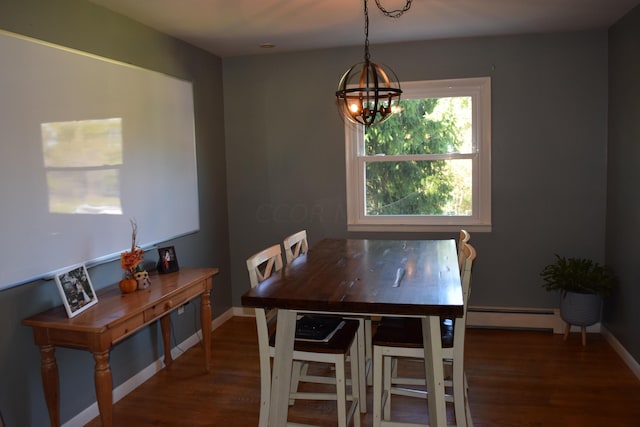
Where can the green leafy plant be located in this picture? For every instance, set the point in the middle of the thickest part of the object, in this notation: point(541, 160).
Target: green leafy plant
point(579, 275)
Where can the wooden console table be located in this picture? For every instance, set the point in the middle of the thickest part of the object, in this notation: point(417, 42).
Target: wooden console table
point(113, 318)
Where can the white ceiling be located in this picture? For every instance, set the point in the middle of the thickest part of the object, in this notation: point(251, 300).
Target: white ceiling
point(237, 27)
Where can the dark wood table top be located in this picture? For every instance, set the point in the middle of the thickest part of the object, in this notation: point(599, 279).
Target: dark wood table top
point(358, 276)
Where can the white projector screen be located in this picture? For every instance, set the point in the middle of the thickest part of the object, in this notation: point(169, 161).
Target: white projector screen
point(88, 144)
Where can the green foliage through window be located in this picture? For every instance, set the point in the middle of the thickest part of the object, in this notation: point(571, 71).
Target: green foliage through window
point(411, 165)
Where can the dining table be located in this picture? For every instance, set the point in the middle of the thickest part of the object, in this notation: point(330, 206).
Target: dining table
point(364, 277)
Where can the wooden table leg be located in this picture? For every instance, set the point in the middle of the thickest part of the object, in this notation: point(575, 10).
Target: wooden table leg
point(434, 372)
point(165, 327)
point(205, 323)
point(104, 387)
point(281, 376)
point(50, 382)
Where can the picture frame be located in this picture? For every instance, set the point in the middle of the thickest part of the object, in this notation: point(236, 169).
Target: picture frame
point(76, 289)
point(167, 260)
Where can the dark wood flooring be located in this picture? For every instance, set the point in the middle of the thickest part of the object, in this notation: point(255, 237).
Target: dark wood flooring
point(516, 378)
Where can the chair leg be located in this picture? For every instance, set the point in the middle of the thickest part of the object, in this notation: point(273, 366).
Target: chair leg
point(362, 356)
point(459, 395)
point(387, 361)
point(567, 329)
point(296, 371)
point(584, 336)
point(394, 367)
point(377, 386)
point(357, 384)
point(466, 402)
point(368, 350)
point(265, 396)
point(341, 393)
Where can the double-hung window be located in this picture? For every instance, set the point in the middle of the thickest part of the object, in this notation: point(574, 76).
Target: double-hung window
point(427, 167)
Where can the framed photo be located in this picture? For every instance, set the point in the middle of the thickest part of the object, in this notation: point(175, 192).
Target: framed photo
point(76, 289)
point(167, 260)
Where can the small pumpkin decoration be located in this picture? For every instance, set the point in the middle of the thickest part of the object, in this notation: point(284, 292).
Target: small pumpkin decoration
point(128, 285)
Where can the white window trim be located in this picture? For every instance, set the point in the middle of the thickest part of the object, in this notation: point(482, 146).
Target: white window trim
point(480, 90)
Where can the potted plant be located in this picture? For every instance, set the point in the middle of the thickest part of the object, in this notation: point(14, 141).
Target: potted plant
point(582, 284)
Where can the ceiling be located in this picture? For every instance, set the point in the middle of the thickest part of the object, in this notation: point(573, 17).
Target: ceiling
point(238, 27)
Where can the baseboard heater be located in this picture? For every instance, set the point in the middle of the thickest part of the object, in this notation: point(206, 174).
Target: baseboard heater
point(514, 318)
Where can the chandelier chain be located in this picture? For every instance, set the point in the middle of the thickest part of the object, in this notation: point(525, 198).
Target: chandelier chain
point(367, 55)
point(393, 13)
point(388, 13)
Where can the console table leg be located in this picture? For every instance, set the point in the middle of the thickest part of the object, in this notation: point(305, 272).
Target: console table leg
point(50, 382)
point(205, 322)
point(165, 326)
point(104, 387)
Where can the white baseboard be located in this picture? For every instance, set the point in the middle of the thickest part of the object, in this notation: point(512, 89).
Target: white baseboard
point(132, 383)
point(243, 311)
point(622, 352)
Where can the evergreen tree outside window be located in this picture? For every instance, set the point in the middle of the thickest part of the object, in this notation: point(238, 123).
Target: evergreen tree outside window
point(428, 167)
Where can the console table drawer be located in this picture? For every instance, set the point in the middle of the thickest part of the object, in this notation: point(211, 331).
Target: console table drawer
point(121, 330)
point(175, 301)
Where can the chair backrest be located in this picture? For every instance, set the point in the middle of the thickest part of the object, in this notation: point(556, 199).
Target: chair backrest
point(462, 240)
point(295, 245)
point(468, 256)
point(263, 264)
point(260, 267)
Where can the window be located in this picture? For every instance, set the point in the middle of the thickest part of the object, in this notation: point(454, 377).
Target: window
point(428, 167)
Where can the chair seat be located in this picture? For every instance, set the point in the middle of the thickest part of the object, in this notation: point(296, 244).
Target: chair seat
point(407, 332)
point(339, 343)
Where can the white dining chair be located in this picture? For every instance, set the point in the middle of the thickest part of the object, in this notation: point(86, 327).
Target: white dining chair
point(399, 339)
point(297, 244)
point(334, 351)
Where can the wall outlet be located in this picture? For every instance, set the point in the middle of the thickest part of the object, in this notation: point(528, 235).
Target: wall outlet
point(181, 309)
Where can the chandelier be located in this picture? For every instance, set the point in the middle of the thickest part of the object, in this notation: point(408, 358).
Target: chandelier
point(368, 93)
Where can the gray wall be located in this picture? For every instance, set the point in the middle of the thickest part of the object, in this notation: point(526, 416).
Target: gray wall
point(83, 26)
point(285, 151)
point(621, 314)
point(283, 144)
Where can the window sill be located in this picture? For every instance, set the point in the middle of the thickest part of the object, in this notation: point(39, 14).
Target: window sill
point(478, 228)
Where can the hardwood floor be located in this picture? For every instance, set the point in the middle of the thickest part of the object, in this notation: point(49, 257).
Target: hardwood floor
point(516, 378)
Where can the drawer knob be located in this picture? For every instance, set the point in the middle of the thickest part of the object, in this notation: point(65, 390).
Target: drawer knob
point(168, 305)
